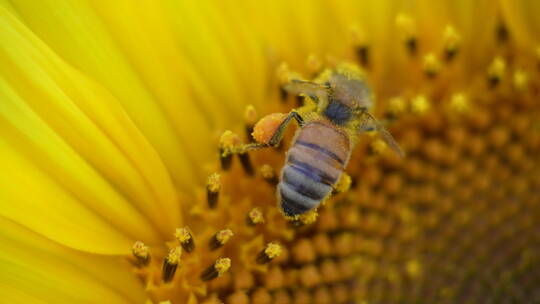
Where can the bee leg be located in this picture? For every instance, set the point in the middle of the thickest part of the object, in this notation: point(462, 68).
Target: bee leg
point(369, 122)
point(242, 150)
point(248, 147)
point(366, 128)
point(276, 138)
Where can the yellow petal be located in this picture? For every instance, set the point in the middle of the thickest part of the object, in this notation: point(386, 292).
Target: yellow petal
point(61, 129)
point(78, 35)
point(522, 19)
point(37, 270)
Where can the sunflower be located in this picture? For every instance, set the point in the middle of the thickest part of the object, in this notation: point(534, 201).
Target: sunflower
point(113, 115)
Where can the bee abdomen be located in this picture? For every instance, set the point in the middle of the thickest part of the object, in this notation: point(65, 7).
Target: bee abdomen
point(314, 164)
point(300, 190)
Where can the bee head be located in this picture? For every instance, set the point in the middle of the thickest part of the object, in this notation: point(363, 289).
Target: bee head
point(349, 87)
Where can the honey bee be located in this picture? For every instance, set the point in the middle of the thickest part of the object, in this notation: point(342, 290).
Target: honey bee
point(335, 112)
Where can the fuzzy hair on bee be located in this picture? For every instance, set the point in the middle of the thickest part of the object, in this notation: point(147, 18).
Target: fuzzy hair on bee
point(336, 110)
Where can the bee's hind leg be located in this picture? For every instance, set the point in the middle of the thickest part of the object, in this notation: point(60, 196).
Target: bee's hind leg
point(242, 152)
point(228, 148)
point(278, 135)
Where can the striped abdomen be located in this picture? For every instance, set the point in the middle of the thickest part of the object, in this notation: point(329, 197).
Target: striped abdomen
point(315, 161)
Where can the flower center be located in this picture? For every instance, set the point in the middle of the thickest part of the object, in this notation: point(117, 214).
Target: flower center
point(455, 219)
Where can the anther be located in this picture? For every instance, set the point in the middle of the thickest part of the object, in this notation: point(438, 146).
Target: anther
point(250, 118)
point(220, 238)
point(420, 104)
point(246, 163)
point(283, 94)
point(170, 264)
point(282, 74)
point(396, 106)
point(270, 252)
point(213, 185)
point(431, 65)
point(496, 71)
point(451, 41)
point(378, 146)
point(407, 27)
point(362, 52)
point(269, 174)
point(501, 33)
point(313, 64)
point(255, 217)
point(184, 237)
point(216, 270)
point(459, 103)
point(520, 80)
point(537, 55)
point(141, 252)
point(227, 142)
point(360, 46)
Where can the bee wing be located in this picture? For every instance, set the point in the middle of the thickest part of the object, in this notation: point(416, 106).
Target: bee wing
point(312, 89)
point(371, 123)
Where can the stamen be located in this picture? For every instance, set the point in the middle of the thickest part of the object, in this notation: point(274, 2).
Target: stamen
point(420, 104)
point(412, 45)
point(343, 184)
point(282, 74)
point(451, 41)
point(216, 270)
point(459, 103)
point(246, 163)
point(270, 252)
point(432, 65)
point(255, 217)
point(360, 46)
point(313, 64)
point(184, 237)
point(299, 100)
point(213, 185)
point(227, 142)
point(250, 118)
point(170, 264)
point(521, 80)
point(362, 51)
point(269, 174)
point(142, 253)
point(396, 106)
point(537, 55)
point(378, 146)
point(496, 71)
point(220, 238)
point(407, 27)
point(414, 268)
point(501, 33)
